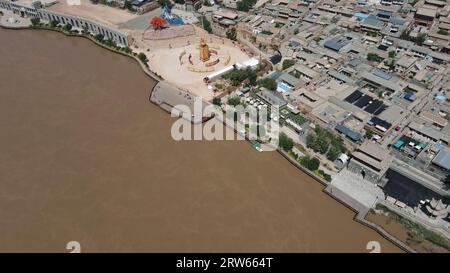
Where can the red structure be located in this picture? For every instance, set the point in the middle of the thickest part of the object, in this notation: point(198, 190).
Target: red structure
point(158, 22)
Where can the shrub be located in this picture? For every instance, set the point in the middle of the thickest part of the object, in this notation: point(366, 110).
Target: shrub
point(67, 27)
point(268, 83)
point(54, 23)
point(234, 101)
point(288, 63)
point(35, 21)
point(374, 57)
point(231, 34)
point(285, 142)
point(442, 32)
point(142, 57)
point(311, 163)
point(99, 37)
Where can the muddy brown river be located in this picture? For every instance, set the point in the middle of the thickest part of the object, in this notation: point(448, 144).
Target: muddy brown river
point(85, 157)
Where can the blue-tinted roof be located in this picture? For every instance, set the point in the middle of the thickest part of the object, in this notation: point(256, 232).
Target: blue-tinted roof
point(409, 95)
point(383, 74)
point(348, 132)
point(354, 62)
point(361, 15)
point(397, 21)
point(335, 44)
point(443, 159)
point(373, 21)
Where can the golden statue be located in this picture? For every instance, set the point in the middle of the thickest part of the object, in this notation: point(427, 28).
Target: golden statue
point(204, 51)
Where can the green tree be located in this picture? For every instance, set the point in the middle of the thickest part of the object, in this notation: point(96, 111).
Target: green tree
point(369, 134)
point(285, 142)
point(268, 83)
point(318, 143)
point(142, 57)
point(392, 54)
point(205, 24)
point(314, 164)
point(128, 5)
point(405, 34)
point(288, 63)
point(99, 37)
point(442, 32)
point(54, 23)
point(333, 153)
point(373, 57)
point(163, 3)
point(217, 101)
point(67, 27)
point(127, 50)
point(35, 21)
point(421, 38)
point(231, 34)
point(245, 5)
point(239, 75)
point(311, 164)
point(234, 101)
point(110, 43)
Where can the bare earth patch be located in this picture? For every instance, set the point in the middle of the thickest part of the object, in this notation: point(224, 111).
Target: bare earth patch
point(99, 13)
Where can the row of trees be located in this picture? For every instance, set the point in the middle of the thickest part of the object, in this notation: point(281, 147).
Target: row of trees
point(268, 83)
point(98, 37)
point(324, 142)
point(245, 5)
point(374, 57)
point(311, 163)
point(237, 76)
point(406, 35)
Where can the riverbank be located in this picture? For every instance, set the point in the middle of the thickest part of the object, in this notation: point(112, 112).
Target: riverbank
point(415, 235)
point(319, 180)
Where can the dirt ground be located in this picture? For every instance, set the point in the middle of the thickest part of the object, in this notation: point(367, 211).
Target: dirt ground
point(99, 13)
point(163, 56)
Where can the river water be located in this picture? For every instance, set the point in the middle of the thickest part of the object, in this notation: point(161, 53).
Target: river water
point(85, 157)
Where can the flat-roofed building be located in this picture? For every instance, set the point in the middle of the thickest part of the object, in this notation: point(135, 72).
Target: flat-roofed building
point(429, 132)
point(442, 159)
point(434, 119)
point(370, 160)
point(307, 100)
point(376, 80)
point(305, 73)
point(425, 16)
point(272, 98)
point(403, 64)
point(436, 3)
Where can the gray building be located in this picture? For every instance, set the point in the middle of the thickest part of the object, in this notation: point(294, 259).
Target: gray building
point(35, 10)
point(370, 160)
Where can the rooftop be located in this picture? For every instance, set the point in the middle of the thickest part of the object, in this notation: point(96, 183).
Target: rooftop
point(443, 159)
